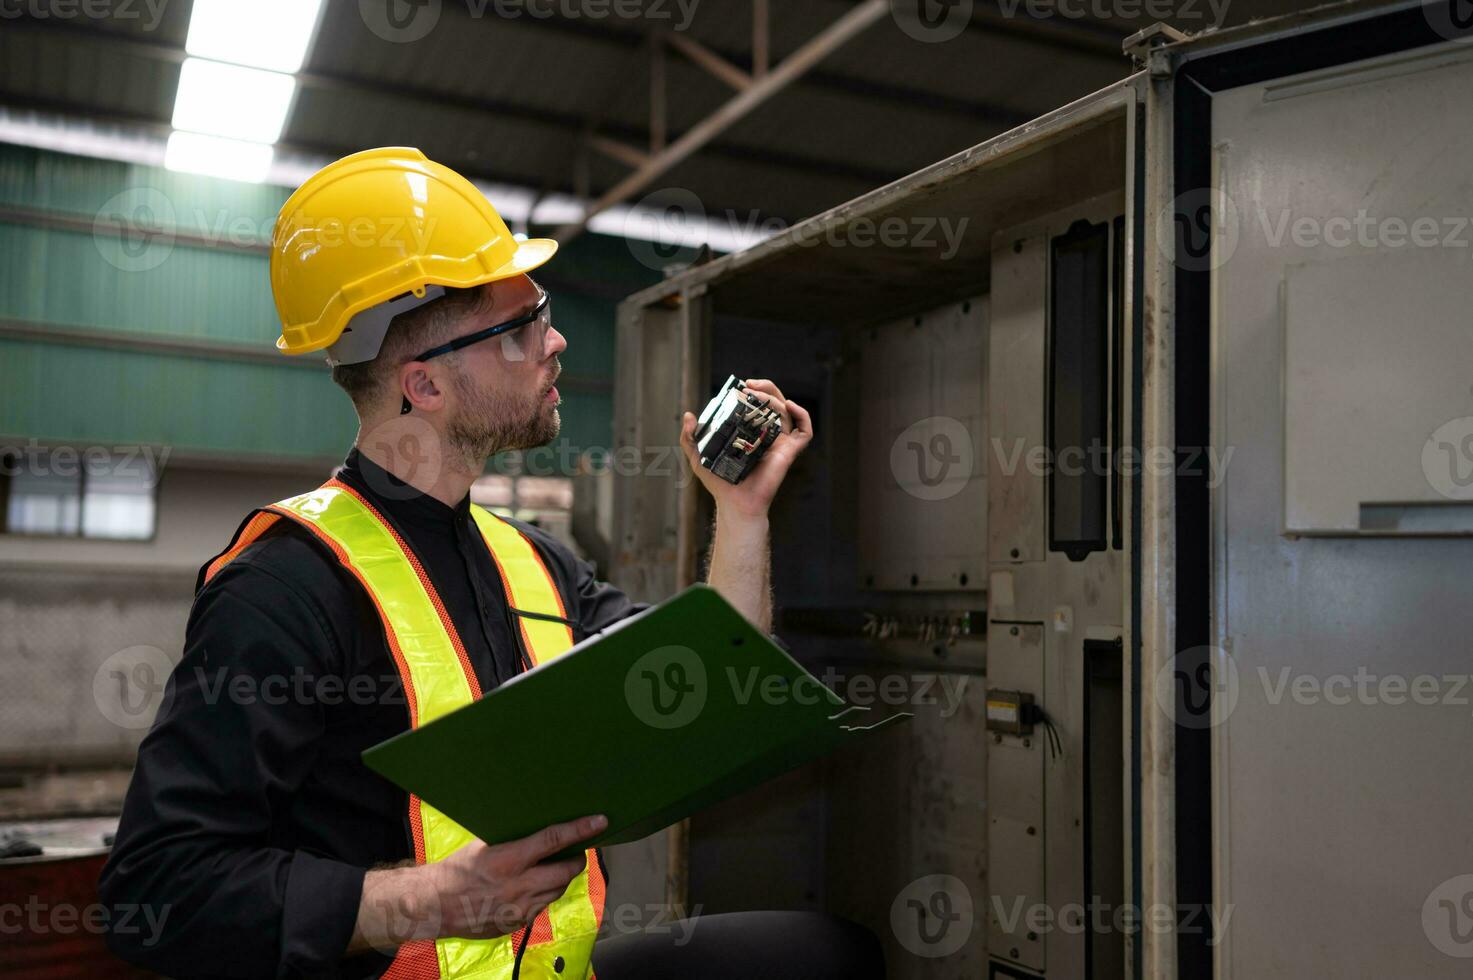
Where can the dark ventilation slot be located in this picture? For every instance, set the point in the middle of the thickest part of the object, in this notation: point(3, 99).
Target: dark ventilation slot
point(1078, 388)
point(1104, 805)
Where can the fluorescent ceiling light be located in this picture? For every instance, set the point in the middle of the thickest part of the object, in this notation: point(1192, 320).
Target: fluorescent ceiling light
point(644, 224)
point(233, 159)
point(228, 100)
point(271, 34)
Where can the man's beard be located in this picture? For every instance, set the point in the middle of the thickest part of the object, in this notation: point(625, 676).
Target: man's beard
point(492, 421)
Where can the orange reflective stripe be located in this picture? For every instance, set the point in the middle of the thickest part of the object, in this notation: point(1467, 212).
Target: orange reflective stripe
point(390, 634)
point(541, 929)
point(531, 589)
point(253, 529)
point(418, 817)
point(417, 960)
point(438, 677)
point(597, 885)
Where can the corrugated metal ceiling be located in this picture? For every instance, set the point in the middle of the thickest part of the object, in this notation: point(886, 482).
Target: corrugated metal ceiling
point(512, 98)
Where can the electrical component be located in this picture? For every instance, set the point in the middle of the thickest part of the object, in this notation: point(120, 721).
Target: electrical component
point(1016, 713)
point(1010, 712)
point(734, 431)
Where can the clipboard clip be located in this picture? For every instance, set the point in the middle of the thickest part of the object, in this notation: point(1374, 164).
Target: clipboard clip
point(852, 710)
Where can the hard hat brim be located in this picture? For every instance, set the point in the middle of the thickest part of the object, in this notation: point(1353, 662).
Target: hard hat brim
point(529, 255)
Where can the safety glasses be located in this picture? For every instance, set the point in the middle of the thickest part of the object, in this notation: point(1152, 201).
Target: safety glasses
point(538, 321)
point(522, 339)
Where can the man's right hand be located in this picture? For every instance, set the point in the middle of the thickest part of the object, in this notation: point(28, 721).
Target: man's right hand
point(479, 892)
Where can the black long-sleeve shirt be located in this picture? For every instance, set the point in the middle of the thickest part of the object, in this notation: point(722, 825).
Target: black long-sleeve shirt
point(251, 820)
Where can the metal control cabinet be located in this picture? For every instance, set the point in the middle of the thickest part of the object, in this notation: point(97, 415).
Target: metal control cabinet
point(1055, 557)
point(1117, 286)
point(889, 539)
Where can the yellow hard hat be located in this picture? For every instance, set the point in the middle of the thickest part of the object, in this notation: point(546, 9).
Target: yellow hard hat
point(382, 225)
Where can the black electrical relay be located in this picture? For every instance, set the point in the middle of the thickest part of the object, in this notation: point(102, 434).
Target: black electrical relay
point(734, 431)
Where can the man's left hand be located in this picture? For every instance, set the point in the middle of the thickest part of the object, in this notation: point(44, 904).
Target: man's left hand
point(754, 494)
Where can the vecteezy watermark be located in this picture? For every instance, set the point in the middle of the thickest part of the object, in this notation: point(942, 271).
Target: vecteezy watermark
point(334, 231)
point(297, 686)
point(932, 21)
point(134, 230)
point(1200, 14)
point(1201, 687)
point(1447, 458)
point(35, 916)
point(945, 691)
point(1363, 687)
point(670, 687)
point(1203, 228)
point(1362, 229)
point(1098, 459)
point(406, 916)
point(400, 21)
point(1451, 19)
point(674, 218)
point(564, 456)
point(627, 918)
point(933, 459)
point(405, 21)
point(666, 688)
point(1447, 917)
point(940, 234)
point(1101, 917)
point(933, 916)
point(140, 465)
point(410, 454)
point(675, 15)
point(137, 228)
point(150, 12)
point(1199, 229)
point(663, 223)
point(1198, 688)
point(936, 21)
point(131, 686)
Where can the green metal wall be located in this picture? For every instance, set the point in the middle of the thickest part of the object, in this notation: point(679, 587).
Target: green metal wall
point(70, 298)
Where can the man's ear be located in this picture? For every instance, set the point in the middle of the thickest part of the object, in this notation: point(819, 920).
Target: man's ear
point(417, 384)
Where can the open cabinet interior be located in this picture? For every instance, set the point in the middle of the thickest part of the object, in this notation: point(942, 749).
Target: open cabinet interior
point(948, 334)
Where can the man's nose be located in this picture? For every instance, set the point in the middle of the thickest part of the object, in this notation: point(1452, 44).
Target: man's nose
point(556, 343)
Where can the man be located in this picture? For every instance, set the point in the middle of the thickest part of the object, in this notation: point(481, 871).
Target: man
point(345, 615)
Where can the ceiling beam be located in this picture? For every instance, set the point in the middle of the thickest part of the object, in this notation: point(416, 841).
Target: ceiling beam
point(829, 40)
point(761, 38)
point(564, 121)
point(1076, 37)
point(709, 60)
point(873, 90)
point(623, 152)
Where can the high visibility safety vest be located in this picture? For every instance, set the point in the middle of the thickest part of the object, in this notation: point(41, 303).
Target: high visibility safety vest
point(438, 678)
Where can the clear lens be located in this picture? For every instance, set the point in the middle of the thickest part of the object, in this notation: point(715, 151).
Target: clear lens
point(529, 341)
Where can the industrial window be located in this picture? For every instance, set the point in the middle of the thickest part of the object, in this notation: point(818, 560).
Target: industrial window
point(64, 492)
point(1078, 384)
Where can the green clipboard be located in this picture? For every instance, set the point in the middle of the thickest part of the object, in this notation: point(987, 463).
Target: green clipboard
point(665, 713)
